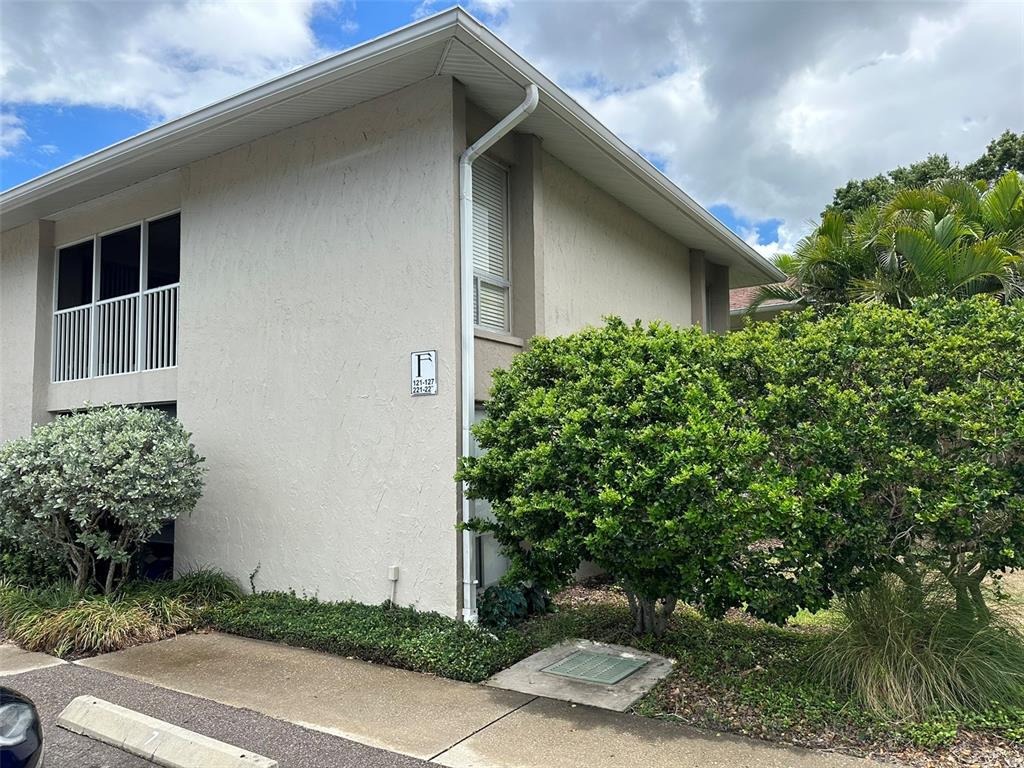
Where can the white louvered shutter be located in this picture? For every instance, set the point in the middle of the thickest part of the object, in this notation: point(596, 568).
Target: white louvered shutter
point(490, 246)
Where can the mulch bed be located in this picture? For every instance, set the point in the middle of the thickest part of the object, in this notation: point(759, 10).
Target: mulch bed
point(686, 699)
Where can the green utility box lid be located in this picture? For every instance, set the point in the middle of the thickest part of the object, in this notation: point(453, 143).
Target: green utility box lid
point(594, 667)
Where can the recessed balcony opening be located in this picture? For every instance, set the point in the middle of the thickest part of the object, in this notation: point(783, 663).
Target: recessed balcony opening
point(116, 301)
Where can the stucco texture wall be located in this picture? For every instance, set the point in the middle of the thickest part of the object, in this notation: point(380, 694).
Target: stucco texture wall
point(313, 263)
point(25, 299)
point(601, 258)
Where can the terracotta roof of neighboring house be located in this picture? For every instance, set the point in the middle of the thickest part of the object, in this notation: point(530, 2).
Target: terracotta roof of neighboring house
point(741, 298)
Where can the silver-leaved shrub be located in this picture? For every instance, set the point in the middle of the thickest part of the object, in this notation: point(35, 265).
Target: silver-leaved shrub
point(96, 485)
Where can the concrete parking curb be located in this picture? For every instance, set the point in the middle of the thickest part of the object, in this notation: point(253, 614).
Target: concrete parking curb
point(155, 740)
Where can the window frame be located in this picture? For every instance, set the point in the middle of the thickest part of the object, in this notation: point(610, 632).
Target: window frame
point(505, 283)
point(95, 301)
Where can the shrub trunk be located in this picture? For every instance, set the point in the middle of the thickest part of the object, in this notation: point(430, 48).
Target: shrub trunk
point(650, 615)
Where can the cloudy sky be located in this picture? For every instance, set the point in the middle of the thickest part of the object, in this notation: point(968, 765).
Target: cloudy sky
point(758, 109)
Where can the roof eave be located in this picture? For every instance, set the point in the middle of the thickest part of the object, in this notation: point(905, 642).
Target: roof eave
point(274, 91)
point(454, 22)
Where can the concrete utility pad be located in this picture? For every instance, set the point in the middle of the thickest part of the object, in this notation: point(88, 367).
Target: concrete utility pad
point(529, 676)
point(553, 734)
point(14, 661)
point(394, 709)
point(162, 742)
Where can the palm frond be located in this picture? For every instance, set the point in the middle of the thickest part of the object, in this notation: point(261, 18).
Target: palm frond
point(918, 200)
point(775, 292)
point(998, 203)
point(965, 195)
point(924, 256)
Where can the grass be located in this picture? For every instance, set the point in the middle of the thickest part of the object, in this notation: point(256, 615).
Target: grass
point(56, 620)
point(894, 654)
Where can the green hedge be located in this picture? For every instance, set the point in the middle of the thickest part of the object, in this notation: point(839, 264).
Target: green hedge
point(398, 637)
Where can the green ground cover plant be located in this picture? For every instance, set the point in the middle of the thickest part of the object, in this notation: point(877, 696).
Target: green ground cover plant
point(386, 634)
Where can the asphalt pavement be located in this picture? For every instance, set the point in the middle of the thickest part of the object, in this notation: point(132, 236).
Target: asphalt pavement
point(291, 745)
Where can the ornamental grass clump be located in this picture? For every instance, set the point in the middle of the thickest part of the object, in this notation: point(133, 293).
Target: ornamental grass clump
point(56, 619)
point(913, 652)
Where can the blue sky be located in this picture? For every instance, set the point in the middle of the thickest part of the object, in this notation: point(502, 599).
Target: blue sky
point(758, 110)
point(59, 133)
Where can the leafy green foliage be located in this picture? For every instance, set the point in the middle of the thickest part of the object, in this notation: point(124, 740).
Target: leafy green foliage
point(504, 605)
point(25, 564)
point(952, 238)
point(626, 447)
point(909, 650)
point(96, 485)
point(57, 619)
point(915, 418)
point(399, 637)
point(861, 193)
point(1005, 153)
point(770, 469)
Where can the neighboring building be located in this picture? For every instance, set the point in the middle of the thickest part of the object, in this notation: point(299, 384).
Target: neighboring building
point(741, 299)
point(266, 266)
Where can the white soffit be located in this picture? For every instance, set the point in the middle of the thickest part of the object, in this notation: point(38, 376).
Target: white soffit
point(450, 43)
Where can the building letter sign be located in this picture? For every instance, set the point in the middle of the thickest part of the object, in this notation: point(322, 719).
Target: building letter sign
point(423, 371)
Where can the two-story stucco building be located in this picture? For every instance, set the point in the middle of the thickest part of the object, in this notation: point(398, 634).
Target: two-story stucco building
point(265, 267)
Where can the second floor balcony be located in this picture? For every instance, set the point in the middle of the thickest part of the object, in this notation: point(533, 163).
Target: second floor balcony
point(116, 302)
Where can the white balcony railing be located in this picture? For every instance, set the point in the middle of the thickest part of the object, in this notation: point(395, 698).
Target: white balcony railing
point(161, 327)
point(117, 335)
point(109, 337)
point(71, 343)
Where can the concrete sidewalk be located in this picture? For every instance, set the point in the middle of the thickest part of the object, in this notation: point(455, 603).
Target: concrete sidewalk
point(14, 661)
point(460, 725)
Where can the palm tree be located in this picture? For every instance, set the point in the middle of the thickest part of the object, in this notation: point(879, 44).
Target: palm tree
point(951, 238)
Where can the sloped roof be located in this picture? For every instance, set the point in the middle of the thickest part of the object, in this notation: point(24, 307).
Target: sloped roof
point(449, 43)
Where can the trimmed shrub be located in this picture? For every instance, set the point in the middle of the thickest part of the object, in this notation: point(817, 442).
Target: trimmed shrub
point(625, 446)
point(95, 485)
point(770, 469)
point(914, 417)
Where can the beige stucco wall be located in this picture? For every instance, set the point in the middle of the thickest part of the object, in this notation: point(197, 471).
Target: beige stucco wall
point(313, 263)
point(602, 258)
point(26, 298)
point(145, 200)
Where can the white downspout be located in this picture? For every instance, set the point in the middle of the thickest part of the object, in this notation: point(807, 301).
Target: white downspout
point(485, 142)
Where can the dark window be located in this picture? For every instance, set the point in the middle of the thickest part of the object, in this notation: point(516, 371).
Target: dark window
point(74, 275)
point(164, 251)
point(119, 263)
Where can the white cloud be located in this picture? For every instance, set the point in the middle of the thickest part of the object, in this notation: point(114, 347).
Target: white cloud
point(763, 106)
point(769, 106)
point(12, 133)
point(163, 59)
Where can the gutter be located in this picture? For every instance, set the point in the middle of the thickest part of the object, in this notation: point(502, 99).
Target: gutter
point(485, 142)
